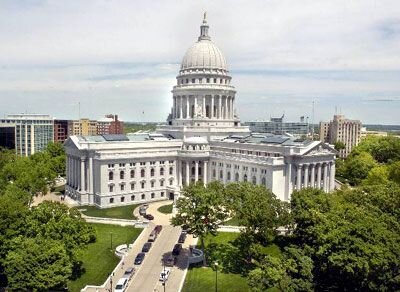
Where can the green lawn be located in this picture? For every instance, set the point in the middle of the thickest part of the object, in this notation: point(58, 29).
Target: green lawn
point(123, 212)
point(166, 209)
point(203, 279)
point(234, 221)
point(98, 260)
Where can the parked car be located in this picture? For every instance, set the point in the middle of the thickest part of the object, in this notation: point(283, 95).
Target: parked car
point(129, 272)
point(182, 237)
point(158, 229)
point(146, 247)
point(152, 236)
point(139, 258)
point(165, 274)
point(121, 285)
point(171, 261)
point(149, 217)
point(177, 249)
point(142, 211)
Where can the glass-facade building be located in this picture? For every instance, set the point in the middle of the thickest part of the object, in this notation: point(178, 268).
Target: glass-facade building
point(279, 127)
point(32, 132)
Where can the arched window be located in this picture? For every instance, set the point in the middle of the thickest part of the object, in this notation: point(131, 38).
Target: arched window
point(122, 174)
point(152, 183)
point(264, 181)
point(171, 170)
point(111, 200)
point(214, 173)
point(221, 174)
point(254, 180)
point(122, 199)
point(143, 173)
point(171, 181)
point(245, 177)
point(228, 175)
point(132, 197)
point(152, 195)
point(236, 177)
point(110, 175)
point(143, 184)
point(152, 172)
point(162, 171)
point(161, 183)
point(193, 170)
point(143, 196)
point(132, 173)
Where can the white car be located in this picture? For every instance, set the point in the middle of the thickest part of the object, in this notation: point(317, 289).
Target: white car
point(121, 285)
point(165, 274)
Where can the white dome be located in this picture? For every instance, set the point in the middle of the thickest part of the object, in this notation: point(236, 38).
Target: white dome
point(204, 54)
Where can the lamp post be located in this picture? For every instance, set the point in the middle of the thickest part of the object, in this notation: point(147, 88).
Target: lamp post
point(216, 276)
point(164, 274)
point(111, 280)
point(111, 241)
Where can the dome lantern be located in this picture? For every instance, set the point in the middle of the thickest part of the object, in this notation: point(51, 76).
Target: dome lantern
point(204, 29)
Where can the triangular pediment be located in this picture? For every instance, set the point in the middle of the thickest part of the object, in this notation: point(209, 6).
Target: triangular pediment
point(321, 149)
point(69, 143)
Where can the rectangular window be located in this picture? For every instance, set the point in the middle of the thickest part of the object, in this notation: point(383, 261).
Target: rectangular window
point(111, 188)
point(132, 187)
point(122, 187)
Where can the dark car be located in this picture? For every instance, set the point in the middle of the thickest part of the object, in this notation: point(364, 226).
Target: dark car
point(149, 217)
point(158, 228)
point(146, 247)
point(177, 249)
point(129, 273)
point(170, 261)
point(182, 237)
point(139, 258)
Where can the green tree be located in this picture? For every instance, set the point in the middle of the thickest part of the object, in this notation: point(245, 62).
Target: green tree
point(379, 175)
point(339, 145)
point(37, 264)
point(394, 172)
point(201, 209)
point(358, 166)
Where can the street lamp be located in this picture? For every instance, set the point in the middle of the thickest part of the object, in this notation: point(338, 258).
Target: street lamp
point(163, 283)
point(216, 276)
point(111, 241)
point(111, 280)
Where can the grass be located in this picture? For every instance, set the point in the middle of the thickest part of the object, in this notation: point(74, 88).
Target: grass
point(166, 209)
point(98, 259)
point(234, 221)
point(123, 212)
point(203, 279)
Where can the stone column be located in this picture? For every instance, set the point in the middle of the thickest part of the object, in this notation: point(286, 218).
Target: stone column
point(313, 176)
point(289, 185)
point(298, 185)
point(181, 108)
point(212, 107)
point(204, 106)
point(76, 172)
point(306, 175)
point(219, 107)
point(195, 106)
point(174, 107)
point(83, 184)
point(196, 171)
point(226, 108)
point(91, 191)
point(187, 107)
point(231, 107)
point(187, 173)
point(332, 177)
point(205, 172)
point(325, 177)
point(319, 176)
point(179, 172)
point(224, 173)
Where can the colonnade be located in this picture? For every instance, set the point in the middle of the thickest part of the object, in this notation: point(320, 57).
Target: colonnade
point(80, 173)
point(205, 106)
point(185, 171)
point(316, 175)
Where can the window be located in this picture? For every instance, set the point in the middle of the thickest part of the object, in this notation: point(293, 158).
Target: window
point(208, 80)
point(132, 187)
point(110, 176)
point(143, 184)
point(245, 177)
point(171, 181)
point(122, 199)
point(162, 162)
point(162, 194)
point(215, 80)
point(152, 184)
point(264, 181)
point(221, 174)
point(254, 180)
point(152, 172)
point(142, 163)
point(187, 81)
point(122, 187)
point(111, 200)
point(162, 171)
point(193, 80)
point(143, 173)
point(236, 177)
point(214, 173)
point(132, 197)
point(152, 195)
point(122, 165)
point(193, 170)
point(171, 162)
point(143, 196)
point(132, 164)
point(132, 173)
point(121, 174)
point(229, 175)
point(161, 183)
point(171, 170)
point(111, 188)
point(152, 163)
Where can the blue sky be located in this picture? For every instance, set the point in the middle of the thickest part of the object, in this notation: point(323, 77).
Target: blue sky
point(123, 56)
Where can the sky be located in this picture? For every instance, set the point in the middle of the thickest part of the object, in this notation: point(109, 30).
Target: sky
point(123, 57)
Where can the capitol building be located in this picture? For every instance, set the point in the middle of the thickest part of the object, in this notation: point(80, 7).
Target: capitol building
point(203, 140)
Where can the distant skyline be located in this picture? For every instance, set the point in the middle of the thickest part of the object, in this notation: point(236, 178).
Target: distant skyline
point(122, 57)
